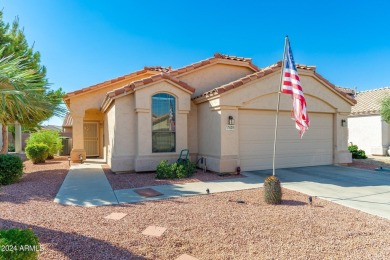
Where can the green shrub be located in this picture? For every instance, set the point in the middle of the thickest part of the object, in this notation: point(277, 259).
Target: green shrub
point(272, 190)
point(183, 169)
point(49, 137)
point(11, 168)
point(37, 153)
point(164, 170)
point(11, 148)
point(356, 152)
point(18, 244)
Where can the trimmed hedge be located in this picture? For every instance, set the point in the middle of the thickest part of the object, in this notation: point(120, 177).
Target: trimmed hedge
point(18, 244)
point(11, 169)
point(37, 153)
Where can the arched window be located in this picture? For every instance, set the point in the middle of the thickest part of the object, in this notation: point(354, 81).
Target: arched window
point(163, 123)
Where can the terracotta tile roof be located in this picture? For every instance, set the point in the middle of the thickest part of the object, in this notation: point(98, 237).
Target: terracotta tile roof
point(129, 88)
point(229, 57)
point(217, 57)
point(368, 102)
point(68, 120)
point(158, 68)
point(124, 77)
point(263, 72)
point(348, 91)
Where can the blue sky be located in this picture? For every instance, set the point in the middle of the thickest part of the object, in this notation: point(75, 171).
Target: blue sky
point(84, 42)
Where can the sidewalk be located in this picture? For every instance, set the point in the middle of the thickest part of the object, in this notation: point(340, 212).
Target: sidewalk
point(86, 185)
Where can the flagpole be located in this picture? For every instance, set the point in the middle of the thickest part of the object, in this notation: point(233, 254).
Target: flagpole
point(277, 108)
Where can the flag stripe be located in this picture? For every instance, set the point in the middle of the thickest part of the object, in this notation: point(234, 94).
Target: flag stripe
point(291, 84)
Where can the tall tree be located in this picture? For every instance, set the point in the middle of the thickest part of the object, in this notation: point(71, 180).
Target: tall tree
point(24, 93)
point(385, 109)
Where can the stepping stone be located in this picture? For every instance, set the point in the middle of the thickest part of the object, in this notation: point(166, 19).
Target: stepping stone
point(116, 216)
point(148, 192)
point(154, 231)
point(186, 257)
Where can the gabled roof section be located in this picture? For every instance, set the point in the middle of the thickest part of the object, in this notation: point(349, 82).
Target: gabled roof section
point(266, 71)
point(155, 69)
point(68, 120)
point(130, 88)
point(369, 101)
point(247, 62)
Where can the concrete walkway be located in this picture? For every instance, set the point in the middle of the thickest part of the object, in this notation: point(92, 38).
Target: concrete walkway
point(87, 185)
point(368, 191)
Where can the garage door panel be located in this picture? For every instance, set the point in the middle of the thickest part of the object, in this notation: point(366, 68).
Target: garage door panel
point(256, 131)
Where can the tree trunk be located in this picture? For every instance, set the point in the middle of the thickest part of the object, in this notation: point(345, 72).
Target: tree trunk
point(4, 149)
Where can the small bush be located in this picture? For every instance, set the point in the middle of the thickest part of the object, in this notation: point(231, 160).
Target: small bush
point(11, 148)
point(164, 170)
point(18, 244)
point(180, 170)
point(37, 153)
point(49, 137)
point(356, 152)
point(11, 168)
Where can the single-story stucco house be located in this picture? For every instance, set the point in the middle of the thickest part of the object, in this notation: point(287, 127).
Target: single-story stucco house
point(366, 127)
point(222, 109)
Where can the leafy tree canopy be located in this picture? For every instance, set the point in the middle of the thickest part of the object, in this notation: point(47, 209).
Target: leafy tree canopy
point(385, 109)
point(24, 93)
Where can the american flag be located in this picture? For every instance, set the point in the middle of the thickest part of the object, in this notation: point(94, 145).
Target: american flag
point(292, 85)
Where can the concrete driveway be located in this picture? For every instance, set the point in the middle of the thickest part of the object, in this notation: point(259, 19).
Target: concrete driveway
point(364, 190)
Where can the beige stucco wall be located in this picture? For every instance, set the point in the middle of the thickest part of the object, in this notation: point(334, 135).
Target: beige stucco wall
point(192, 135)
point(123, 126)
point(213, 76)
point(261, 95)
point(79, 104)
point(209, 135)
point(369, 133)
point(132, 148)
point(109, 133)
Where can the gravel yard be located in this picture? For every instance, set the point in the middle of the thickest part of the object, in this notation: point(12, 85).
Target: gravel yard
point(206, 227)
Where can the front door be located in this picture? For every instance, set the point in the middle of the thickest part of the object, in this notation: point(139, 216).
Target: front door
point(91, 138)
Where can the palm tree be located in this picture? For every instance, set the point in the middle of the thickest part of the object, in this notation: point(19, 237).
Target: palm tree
point(24, 97)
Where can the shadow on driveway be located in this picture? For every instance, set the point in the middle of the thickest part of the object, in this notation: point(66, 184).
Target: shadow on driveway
point(364, 190)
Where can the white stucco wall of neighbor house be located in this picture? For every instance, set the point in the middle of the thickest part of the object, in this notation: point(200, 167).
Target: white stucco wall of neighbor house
point(369, 133)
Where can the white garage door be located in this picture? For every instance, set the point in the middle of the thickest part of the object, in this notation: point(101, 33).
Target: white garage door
point(256, 133)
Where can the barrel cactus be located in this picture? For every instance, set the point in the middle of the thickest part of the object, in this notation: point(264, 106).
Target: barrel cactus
point(272, 190)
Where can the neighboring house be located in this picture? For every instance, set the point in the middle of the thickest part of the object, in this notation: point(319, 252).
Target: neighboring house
point(365, 125)
point(52, 127)
point(221, 108)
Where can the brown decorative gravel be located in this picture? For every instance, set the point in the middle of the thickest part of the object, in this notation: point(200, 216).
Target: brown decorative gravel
point(136, 180)
point(212, 226)
point(371, 162)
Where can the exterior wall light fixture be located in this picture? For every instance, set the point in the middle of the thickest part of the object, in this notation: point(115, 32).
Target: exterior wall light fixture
point(343, 122)
point(231, 120)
